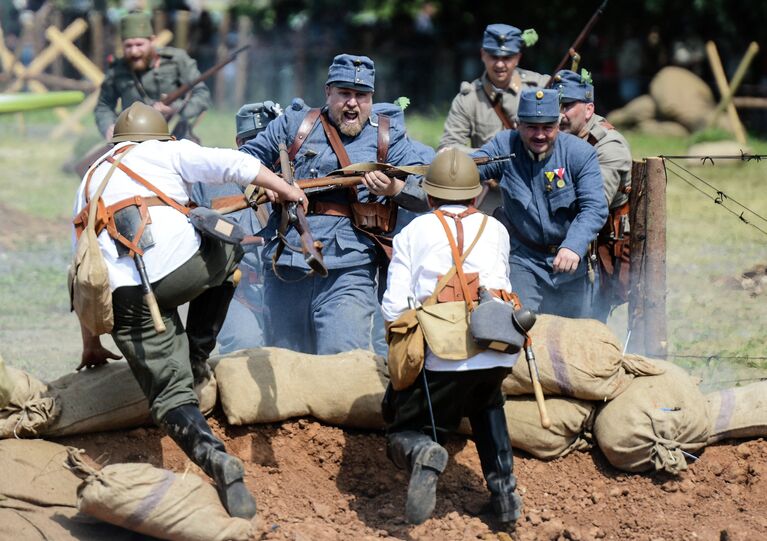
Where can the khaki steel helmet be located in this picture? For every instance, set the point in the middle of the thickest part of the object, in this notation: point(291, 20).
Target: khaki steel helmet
point(140, 122)
point(452, 176)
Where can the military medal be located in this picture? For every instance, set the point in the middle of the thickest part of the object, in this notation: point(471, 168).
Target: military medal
point(549, 178)
point(561, 174)
point(560, 183)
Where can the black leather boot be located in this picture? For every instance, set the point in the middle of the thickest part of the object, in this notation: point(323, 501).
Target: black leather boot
point(491, 437)
point(189, 429)
point(206, 316)
point(425, 459)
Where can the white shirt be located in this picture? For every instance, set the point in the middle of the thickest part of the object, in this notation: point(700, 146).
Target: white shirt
point(171, 166)
point(421, 253)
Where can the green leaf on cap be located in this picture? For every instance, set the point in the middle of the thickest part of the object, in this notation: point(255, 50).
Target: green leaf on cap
point(402, 102)
point(586, 77)
point(530, 37)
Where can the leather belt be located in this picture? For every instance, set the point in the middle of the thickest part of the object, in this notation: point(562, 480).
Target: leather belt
point(331, 208)
point(543, 248)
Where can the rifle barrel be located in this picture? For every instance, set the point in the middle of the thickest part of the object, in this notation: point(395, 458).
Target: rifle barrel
point(578, 41)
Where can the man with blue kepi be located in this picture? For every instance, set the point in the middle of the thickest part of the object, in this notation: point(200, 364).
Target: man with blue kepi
point(334, 314)
point(576, 97)
point(553, 205)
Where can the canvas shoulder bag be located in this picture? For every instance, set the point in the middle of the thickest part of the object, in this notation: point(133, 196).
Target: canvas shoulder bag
point(445, 325)
point(89, 291)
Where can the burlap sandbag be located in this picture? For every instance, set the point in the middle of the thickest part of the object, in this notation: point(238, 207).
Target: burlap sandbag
point(571, 424)
point(682, 96)
point(28, 412)
point(6, 385)
point(107, 398)
point(650, 424)
point(24, 521)
point(577, 358)
point(35, 471)
point(156, 502)
point(634, 112)
point(271, 384)
point(739, 412)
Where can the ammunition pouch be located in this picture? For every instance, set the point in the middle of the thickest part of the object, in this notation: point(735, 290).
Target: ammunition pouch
point(454, 292)
point(376, 218)
point(614, 255)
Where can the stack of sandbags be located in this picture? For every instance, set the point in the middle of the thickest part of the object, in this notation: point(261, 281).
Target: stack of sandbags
point(739, 412)
point(576, 358)
point(156, 502)
point(678, 104)
point(38, 496)
point(265, 385)
point(107, 398)
point(654, 422)
point(28, 410)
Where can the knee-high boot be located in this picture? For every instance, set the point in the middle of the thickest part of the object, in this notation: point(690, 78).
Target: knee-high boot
point(491, 437)
point(425, 460)
point(206, 316)
point(189, 429)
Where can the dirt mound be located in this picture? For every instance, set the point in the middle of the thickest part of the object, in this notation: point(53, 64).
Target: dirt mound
point(314, 482)
point(19, 228)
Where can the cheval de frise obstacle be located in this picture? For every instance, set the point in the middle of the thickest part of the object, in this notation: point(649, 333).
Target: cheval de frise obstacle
point(644, 415)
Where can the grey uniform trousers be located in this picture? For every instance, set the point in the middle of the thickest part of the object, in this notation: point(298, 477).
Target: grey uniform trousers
point(161, 362)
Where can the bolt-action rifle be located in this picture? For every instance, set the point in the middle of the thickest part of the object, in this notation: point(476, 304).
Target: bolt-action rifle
point(572, 52)
point(96, 152)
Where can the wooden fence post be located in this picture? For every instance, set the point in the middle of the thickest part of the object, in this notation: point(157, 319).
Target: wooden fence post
point(96, 23)
point(182, 29)
point(647, 296)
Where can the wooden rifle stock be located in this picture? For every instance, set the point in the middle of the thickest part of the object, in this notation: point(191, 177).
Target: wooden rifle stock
point(578, 41)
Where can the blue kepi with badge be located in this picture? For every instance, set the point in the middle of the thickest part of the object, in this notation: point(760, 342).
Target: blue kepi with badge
point(352, 71)
point(574, 87)
point(538, 106)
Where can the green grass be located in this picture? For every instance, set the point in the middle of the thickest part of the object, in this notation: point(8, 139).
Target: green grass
point(706, 245)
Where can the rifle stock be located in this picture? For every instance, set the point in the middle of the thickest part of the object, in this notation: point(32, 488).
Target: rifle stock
point(573, 50)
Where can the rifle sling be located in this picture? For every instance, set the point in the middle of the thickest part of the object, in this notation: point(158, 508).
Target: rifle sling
point(303, 131)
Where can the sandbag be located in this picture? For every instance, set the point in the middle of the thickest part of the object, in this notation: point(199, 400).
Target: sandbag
point(35, 471)
point(739, 412)
point(682, 96)
point(571, 424)
point(6, 385)
point(577, 358)
point(107, 398)
point(265, 385)
point(156, 502)
point(28, 411)
point(634, 112)
point(650, 424)
point(24, 521)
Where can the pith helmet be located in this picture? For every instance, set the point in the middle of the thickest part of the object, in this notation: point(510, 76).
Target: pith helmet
point(452, 176)
point(139, 122)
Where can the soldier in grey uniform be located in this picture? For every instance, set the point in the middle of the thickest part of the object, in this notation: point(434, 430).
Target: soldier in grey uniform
point(329, 315)
point(489, 104)
point(576, 94)
point(146, 73)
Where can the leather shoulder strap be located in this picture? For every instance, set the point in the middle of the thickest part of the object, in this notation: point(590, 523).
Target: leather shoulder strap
point(335, 141)
point(384, 123)
point(148, 185)
point(303, 131)
point(505, 120)
point(120, 150)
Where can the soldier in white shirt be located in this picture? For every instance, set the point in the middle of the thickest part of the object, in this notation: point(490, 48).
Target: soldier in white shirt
point(465, 388)
point(182, 266)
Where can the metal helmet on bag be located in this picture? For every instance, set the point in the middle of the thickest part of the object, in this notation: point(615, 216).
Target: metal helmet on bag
point(140, 122)
point(452, 176)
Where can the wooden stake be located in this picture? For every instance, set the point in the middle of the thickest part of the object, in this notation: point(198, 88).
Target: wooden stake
point(655, 260)
point(724, 88)
point(736, 80)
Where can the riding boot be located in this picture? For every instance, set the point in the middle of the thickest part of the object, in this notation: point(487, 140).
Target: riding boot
point(188, 428)
point(491, 436)
point(206, 316)
point(425, 459)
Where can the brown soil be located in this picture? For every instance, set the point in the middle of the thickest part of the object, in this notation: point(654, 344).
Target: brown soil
point(315, 482)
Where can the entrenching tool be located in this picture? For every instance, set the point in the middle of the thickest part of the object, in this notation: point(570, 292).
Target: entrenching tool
point(524, 320)
point(131, 225)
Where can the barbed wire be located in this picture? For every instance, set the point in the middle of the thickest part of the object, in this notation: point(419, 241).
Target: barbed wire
point(720, 198)
point(742, 157)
